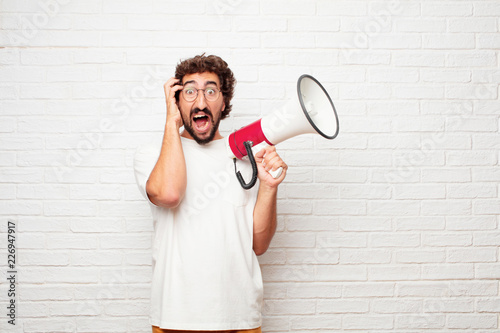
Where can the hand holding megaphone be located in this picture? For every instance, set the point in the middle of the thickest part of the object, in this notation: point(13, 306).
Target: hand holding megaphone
point(313, 112)
point(274, 173)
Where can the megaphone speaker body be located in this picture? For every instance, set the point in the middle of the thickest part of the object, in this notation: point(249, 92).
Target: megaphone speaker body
point(311, 111)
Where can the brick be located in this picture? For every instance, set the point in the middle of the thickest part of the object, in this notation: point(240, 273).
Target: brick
point(447, 272)
point(359, 256)
point(316, 322)
point(365, 224)
point(45, 191)
point(368, 289)
point(366, 159)
point(356, 125)
point(418, 59)
point(252, 24)
point(280, 307)
point(447, 239)
point(421, 289)
point(362, 322)
point(421, 25)
point(393, 273)
point(293, 239)
point(396, 41)
point(288, 8)
point(330, 239)
point(487, 271)
point(340, 273)
point(490, 238)
point(420, 223)
point(488, 41)
point(464, 191)
point(40, 258)
point(297, 273)
point(71, 241)
point(449, 207)
point(420, 256)
point(472, 25)
point(391, 207)
point(396, 306)
point(420, 321)
point(340, 175)
point(471, 223)
point(473, 288)
point(317, 24)
point(425, 191)
point(448, 107)
point(325, 291)
point(447, 9)
point(486, 207)
point(340, 207)
point(311, 223)
point(316, 256)
point(70, 208)
point(459, 175)
point(488, 305)
point(342, 306)
point(457, 41)
point(21, 207)
point(46, 293)
point(471, 255)
point(68, 309)
point(53, 324)
point(448, 306)
point(342, 8)
point(355, 57)
point(466, 321)
point(454, 76)
point(103, 325)
point(315, 191)
point(392, 75)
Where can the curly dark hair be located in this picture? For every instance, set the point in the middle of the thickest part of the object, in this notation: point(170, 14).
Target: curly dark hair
point(212, 64)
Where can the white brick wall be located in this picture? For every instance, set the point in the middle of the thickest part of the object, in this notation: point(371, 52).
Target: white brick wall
point(392, 227)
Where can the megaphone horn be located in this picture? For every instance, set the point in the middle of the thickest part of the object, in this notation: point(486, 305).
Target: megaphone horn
point(312, 103)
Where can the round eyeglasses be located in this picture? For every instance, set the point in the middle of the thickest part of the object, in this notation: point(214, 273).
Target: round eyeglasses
point(191, 93)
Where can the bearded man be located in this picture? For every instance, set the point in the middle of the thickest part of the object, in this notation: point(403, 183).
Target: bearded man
point(208, 230)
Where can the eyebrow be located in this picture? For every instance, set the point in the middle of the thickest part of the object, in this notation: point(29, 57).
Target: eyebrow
point(206, 82)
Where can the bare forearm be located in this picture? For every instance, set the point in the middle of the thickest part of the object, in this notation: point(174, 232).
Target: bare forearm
point(264, 218)
point(167, 183)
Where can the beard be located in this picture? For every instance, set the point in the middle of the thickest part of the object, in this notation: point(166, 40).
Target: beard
point(188, 126)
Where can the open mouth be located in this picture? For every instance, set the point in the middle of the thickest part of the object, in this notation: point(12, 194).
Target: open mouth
point(201, 122)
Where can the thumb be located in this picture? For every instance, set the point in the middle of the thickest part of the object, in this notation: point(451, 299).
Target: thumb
point(260, 154)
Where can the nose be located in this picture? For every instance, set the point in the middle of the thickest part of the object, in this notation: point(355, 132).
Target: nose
point(200, 101)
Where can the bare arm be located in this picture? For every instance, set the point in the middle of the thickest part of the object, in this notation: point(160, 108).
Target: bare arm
point(264, 214)
point(167, 183)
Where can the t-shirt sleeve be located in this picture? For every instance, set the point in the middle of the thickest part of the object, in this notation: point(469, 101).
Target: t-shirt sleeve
point(145, 159)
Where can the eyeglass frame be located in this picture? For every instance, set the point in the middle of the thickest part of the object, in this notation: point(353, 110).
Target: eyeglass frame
point(204, 94)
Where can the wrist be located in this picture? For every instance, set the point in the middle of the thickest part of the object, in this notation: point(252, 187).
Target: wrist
point(172, 124)
point(268, 189)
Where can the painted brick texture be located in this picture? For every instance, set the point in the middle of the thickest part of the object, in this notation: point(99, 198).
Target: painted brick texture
point(391, 227)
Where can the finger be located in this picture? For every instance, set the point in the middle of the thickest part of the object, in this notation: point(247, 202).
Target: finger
point(273, 163)
point(170, 87)
point(260, 154)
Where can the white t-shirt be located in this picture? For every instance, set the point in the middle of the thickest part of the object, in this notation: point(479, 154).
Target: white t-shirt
point(205, 273)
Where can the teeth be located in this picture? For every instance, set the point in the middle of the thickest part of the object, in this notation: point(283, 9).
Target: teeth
point(200, 116)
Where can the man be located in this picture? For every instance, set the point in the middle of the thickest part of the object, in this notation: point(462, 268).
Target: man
point(208, 229)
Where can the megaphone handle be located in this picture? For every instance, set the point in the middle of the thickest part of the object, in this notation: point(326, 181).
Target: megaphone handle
point(276, 173)
point(251, 183)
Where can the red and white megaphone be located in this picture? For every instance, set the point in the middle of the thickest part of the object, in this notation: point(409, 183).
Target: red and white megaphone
point(312, 111)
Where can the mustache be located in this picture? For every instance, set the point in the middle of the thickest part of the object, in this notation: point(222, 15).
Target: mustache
point(205, 110)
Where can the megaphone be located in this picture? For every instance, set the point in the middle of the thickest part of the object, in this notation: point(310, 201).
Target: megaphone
point(311, 111)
